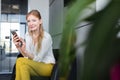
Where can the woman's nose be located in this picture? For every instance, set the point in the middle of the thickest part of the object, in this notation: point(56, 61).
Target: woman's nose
point(30, 23)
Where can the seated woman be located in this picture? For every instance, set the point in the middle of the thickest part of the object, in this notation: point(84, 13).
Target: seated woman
point(38, 58)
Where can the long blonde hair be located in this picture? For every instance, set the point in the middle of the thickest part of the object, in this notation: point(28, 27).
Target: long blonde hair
point(41, 31)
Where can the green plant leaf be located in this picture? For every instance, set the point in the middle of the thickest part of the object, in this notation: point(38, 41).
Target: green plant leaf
point(67, 48)
point(99, 50)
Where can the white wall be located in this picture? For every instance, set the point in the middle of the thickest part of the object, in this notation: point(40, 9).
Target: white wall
point(43, 7)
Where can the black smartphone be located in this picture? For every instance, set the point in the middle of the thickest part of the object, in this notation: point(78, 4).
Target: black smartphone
point(13, 33)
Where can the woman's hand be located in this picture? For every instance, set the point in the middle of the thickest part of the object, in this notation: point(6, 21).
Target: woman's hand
point(16, 40)
point(22, 48)
point(20, 44)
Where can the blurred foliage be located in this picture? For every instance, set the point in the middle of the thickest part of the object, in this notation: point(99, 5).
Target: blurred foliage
point(102, 48)
point(67, 47)
point(102, 45)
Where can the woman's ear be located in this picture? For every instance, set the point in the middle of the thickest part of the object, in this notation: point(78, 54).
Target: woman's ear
point(41, 21)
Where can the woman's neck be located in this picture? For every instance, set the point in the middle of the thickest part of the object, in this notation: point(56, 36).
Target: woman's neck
point(34, 35)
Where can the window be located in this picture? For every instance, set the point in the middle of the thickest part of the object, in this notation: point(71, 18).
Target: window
point(12, 17)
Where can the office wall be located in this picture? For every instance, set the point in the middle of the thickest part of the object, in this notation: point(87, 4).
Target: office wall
point(43, 7)
point(56, 21)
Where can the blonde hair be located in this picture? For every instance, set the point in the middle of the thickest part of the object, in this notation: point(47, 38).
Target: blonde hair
point(36, 13)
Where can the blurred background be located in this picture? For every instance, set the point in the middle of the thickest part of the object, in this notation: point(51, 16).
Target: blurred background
point(12, 17)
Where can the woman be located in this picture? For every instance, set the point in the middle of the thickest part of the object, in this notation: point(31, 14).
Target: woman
point(38, 59)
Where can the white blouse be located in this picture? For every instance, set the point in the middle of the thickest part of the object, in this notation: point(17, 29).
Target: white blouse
point(45, 54)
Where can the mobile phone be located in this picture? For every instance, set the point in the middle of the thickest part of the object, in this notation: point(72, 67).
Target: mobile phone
point(13, 33)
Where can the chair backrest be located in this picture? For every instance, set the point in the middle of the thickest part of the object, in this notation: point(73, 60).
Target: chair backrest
point(56, 54)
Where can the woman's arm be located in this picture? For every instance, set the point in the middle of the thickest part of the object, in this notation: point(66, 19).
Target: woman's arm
point(21, 48)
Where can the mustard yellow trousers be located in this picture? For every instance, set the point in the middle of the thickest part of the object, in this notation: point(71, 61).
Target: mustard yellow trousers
point(25, 68)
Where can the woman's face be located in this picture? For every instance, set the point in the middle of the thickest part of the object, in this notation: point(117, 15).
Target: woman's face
point(33, 22)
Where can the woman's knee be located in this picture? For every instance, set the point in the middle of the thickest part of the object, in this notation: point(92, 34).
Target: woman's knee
point(20, 61)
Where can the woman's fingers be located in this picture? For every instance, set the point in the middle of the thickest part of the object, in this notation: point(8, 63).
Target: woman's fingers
point(17, 44)
point(15, 38)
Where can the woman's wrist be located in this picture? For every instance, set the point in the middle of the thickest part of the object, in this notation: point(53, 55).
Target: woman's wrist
point(25, 53)
point(28, 55)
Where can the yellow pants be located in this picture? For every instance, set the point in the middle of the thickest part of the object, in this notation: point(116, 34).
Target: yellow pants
point(26, 68)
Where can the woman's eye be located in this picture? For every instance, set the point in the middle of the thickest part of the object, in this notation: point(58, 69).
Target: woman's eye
point(31, 20)
point(28, 20)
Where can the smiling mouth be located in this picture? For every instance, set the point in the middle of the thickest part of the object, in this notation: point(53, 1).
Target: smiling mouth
point(31, 27)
